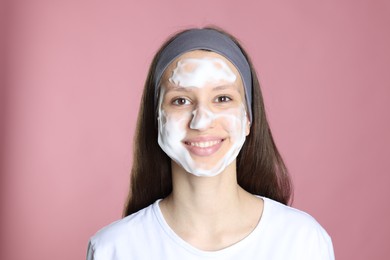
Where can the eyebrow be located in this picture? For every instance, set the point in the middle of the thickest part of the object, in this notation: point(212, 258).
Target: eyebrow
point(178, 88)
point(223, 87)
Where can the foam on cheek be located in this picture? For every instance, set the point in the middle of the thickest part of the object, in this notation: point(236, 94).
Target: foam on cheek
point(171, 132)
point(199, 72)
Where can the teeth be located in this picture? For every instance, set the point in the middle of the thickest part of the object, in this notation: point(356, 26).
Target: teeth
point(205, 144)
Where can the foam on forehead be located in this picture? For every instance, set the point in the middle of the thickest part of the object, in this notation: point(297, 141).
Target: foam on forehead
point(194, 72)
point(206, 39)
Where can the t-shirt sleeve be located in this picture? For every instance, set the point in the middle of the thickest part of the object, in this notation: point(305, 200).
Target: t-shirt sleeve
point(90, 251)
point(320, 245)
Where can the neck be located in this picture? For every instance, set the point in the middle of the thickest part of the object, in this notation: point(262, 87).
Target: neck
point(210, 213)
point(204, 199)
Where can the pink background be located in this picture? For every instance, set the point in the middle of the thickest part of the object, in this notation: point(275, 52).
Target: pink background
point(72, 75)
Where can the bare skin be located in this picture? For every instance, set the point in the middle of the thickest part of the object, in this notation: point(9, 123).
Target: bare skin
point(210, 213)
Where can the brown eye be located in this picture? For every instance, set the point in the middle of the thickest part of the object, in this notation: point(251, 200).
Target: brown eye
point(180, 102)
point(222, 99)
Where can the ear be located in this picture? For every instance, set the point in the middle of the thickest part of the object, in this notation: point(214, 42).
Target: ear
point(247, 126)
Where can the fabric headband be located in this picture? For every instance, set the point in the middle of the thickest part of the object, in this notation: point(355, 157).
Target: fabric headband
point(211, 40)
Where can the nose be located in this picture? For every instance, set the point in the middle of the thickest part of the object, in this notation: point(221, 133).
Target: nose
point(201, 119)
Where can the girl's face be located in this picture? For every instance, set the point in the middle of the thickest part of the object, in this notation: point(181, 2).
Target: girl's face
point(202, 121)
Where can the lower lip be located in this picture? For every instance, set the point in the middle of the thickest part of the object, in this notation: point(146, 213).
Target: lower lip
point(204, 151)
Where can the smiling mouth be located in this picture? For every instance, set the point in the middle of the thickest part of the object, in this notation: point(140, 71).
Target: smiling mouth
point(203, 147)
point(206, 144)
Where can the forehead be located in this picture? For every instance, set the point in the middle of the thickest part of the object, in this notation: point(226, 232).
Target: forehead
point(199, 54)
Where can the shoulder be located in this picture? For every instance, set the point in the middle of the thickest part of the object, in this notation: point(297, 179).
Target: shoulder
point(124, 230)
point(287, 215)
point(292, 221)
point(297, 229)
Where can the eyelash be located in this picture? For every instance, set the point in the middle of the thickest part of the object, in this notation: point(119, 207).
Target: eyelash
point(227, 99)
point(176, 101)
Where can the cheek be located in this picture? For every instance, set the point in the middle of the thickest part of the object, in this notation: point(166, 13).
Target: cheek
point(174, 126)
point(233, 122)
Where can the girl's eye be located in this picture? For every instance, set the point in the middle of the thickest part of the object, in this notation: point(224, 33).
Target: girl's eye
point(180, 102)
point(222, 99)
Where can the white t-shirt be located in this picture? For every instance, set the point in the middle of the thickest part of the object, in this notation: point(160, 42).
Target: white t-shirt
point(282, 233)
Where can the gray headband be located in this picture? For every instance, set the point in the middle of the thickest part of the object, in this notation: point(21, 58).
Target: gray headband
point(206, 39)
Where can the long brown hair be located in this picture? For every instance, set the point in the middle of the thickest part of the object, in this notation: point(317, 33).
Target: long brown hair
point(260, 168)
